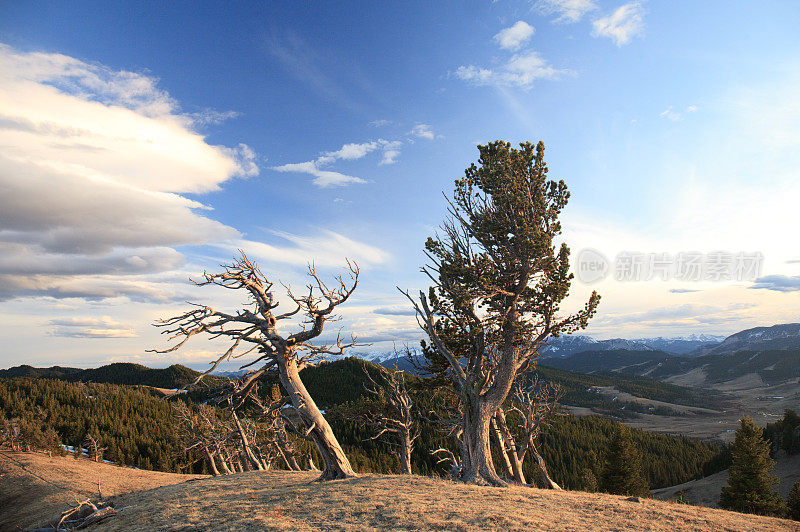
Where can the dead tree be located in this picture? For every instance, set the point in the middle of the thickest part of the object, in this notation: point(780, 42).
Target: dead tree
point(278, 422)
point(93, 448)
point(498, 284)
point(256, 329)
point(536, 405)
point(202, 434)
point(396, 418)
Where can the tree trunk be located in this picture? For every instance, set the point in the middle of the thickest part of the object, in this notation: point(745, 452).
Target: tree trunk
point(311, 465)
point(503, 449)
point(213, 465)
point(225, 468)
point(406, 446)
point(288, 456)
point(478, 466)
point(226, 461)
point(249, 455)
point(336, 464)
point(511, 444)
point(547, 482)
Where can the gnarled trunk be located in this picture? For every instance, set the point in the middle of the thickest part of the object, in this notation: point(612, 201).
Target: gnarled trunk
point(214, 469)
point(336, 464)
point(251, 460)
point(406, 446)
point(477, 463)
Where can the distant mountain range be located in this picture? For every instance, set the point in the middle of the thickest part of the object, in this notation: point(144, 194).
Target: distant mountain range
point(568, 345)
point(771, 353)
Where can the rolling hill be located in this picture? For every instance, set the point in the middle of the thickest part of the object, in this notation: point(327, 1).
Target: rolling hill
point(280, 500)
point(174, 376)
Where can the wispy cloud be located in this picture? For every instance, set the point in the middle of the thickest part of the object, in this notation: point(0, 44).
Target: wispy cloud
point(90, 327)
point(394, 311)
point(423, 131)
point(778, 283)
point(515, 37)
point(676, 116)
point(391, 151)
point(522, 70)
point(622, 25)
point(210, 116)
point(326, 248)
point(348, 152)
point(380, 123)
point(568, 11)
point(322, 178)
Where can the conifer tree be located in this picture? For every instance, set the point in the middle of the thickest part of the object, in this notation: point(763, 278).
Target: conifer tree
point(499, 279)
point(750, 485)
point(588, 476)
point(793, 502)
point(622, 473)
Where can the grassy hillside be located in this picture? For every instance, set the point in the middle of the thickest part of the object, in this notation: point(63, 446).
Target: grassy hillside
point(634, 362)
point(279, 500)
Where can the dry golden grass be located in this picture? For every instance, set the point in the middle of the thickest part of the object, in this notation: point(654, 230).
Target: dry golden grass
point(34, 488)
point(277, 500)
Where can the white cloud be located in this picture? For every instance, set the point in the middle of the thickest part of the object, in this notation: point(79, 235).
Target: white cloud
point(568, 11)
point(423, 131)
point(348, 152)
point(391, 151)
point(93, 163)
point(670, 114)
point(380, 123)
point(622, 25)
point(322, 178)
point(90, 327)
point(326, 249)
point(210, 116)
point(514, 37)
point(519, 71)
point(352, 151)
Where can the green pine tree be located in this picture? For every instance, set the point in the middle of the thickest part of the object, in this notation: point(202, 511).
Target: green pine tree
point(750, 485)
point(622, 473)
point(793, 502)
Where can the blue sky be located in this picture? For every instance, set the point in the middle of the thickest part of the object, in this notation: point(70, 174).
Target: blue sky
point(139, 145)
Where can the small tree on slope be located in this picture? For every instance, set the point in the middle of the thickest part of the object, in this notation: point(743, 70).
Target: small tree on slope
point(499, 281)
point(750, 485)
point(622, 473)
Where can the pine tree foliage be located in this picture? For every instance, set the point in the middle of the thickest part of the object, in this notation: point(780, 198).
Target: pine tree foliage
point(750, 485)
point(784, 434)
point(793, 502)
point(622, 472)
